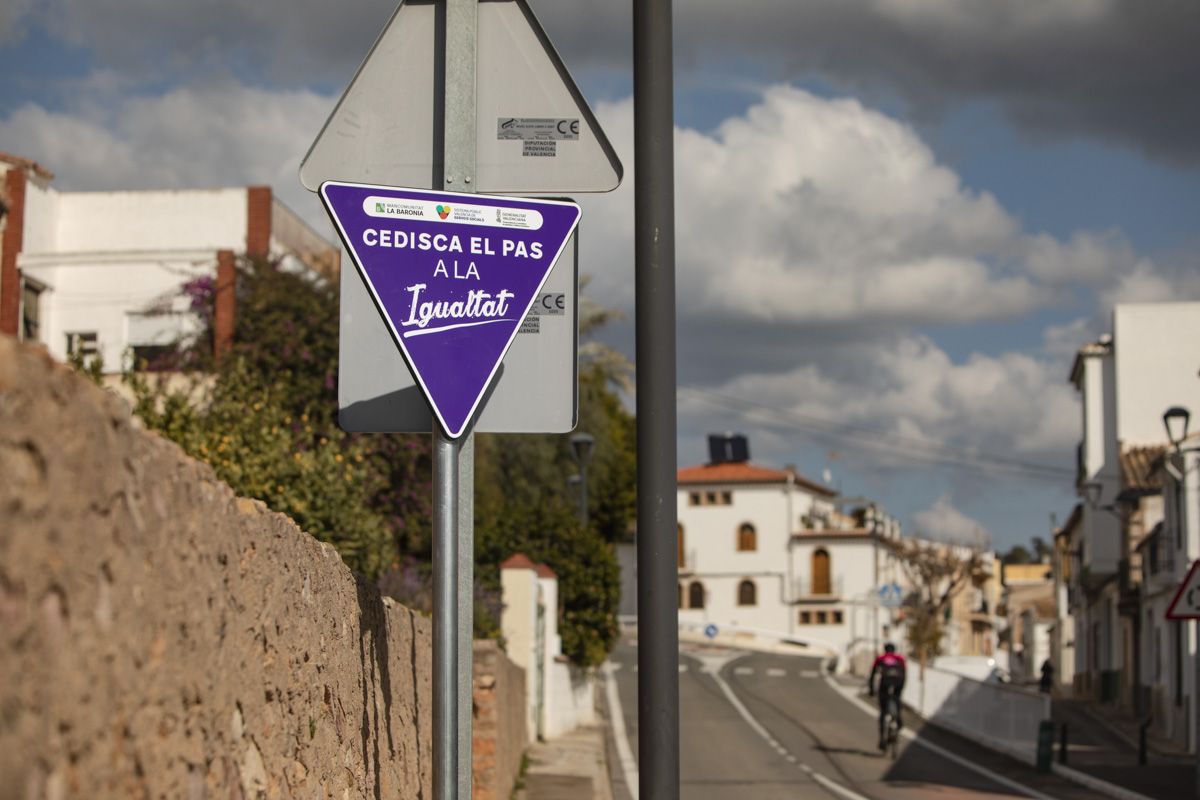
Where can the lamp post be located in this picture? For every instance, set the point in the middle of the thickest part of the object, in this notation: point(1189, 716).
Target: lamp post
point(582, 445)
point(1175, 420)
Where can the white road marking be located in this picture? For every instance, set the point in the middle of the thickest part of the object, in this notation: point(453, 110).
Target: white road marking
point(625, 758)
point(683, 667)
point(739, 707)
point(852, 696)
point(809, 673)
point(776, 672)
point(743, 670)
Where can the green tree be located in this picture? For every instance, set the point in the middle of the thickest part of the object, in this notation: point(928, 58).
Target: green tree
point(936, 573)
point(525, 502)
point(264, 417)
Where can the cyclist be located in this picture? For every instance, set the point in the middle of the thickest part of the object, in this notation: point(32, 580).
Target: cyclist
point(892, 670)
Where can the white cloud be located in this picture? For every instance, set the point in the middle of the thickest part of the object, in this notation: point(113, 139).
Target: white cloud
point(806, 210)
point(12, 13)
point(907, 402)
point(944, 523)
point(193, 136)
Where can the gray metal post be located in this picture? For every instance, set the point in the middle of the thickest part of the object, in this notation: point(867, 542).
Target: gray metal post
point(654, 284)
point(445, 617)
point(458, 160)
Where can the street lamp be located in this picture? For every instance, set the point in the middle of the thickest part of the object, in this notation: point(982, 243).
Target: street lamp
point(581, 450)
point(1175, 420)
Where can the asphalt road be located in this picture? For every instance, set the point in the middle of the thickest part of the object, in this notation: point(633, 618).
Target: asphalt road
point(768, 727)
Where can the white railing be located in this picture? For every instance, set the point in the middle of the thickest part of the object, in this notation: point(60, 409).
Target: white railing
point(998, 716)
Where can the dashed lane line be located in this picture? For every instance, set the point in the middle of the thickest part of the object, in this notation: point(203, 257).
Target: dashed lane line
point(756, 726)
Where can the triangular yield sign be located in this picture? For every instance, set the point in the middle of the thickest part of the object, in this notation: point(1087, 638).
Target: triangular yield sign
point(534, 130)
point(1186, 603)
point(453, 276)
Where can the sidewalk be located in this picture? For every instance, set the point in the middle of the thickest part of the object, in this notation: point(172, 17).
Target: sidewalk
point(570, 767)
point(1103, 745)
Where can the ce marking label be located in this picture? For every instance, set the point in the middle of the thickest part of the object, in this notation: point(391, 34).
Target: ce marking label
point(534, 128)
point(550, 304)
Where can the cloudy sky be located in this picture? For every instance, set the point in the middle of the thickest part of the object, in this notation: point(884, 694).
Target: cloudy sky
point(897, 220)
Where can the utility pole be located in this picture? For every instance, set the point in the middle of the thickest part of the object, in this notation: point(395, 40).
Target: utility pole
point(654, 282)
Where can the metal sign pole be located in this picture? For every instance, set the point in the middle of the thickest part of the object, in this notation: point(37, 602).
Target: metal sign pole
point(654, 281)
point(445, 617)
point(458, 163)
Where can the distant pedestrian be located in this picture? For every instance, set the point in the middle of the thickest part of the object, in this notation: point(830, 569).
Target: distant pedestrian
point(1047, 680)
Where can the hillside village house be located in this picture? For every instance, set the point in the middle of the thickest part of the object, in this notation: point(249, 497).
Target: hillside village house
point(1134, 535)
point(100, 273)
point(765, 550)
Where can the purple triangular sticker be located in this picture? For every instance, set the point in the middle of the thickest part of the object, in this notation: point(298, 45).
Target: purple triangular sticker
point(453, 276)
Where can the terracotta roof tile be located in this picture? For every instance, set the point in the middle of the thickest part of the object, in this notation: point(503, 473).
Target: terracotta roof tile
point(1137, 468)
point(518, 561)
point(544, 571)
point(745, 472)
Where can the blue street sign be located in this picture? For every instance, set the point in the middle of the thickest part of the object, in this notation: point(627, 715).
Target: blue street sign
point(891, 595)
point(453, 276)
point(710, 630)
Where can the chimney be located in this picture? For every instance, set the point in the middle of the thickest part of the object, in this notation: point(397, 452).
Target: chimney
point(726, 448)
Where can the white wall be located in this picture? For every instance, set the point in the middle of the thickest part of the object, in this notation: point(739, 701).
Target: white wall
point(100, 296)
point(710, 547)
point(1158, 352)
point(193, 219)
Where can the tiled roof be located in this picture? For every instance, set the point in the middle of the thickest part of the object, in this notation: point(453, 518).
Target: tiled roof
point(1137, 468)
point(26, 163)
point(518, 561)
point(745, 472)
point(544, 571)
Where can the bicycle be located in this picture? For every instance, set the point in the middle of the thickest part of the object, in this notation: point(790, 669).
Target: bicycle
point(891, 722)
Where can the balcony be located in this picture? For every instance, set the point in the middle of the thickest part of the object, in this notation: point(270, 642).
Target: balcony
point(803, 590)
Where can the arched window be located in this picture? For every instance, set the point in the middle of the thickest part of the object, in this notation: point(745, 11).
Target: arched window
point(747, 593)
point(696, 595)
point(681, 605)
point(747, 538)
point(682, 560)
point(820, 572)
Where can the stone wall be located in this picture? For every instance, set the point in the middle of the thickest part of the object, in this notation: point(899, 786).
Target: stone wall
point(162, 638)
point(499, 722)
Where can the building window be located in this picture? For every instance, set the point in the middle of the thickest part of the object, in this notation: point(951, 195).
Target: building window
point(805, 617)
point(681, 605)
point(747, 594)
point(747, 540)
point(31, 311)
point(680, 555)
point(837, 618)
point(820, 571)
point(710, 498)
point(696, 595)
point(83, 344)
point(822, 617)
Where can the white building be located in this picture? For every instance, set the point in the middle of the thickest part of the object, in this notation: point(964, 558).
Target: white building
point(1126, 381)
point(100, 273)
point(559, 695)
point(766, 551)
